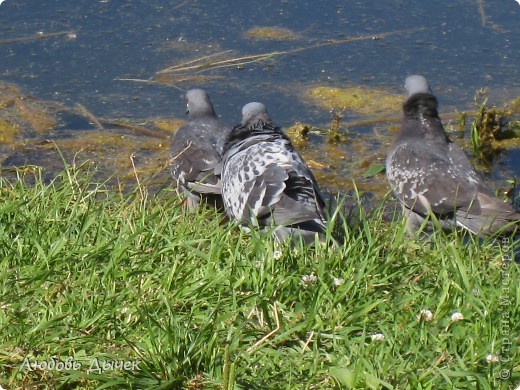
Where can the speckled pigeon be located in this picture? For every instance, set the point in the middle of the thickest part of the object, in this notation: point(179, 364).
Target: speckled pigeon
point(266, 183)
point(196, 149)
point(430, 174)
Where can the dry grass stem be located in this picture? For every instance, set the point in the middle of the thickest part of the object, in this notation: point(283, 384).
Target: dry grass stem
point(311, 335)
point(268, 335)
point(35, 36)
point(87, 114)
point(203, 64)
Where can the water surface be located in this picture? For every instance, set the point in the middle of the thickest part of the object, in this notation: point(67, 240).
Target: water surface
point(461, 46)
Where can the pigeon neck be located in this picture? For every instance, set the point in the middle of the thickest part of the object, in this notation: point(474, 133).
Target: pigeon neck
point(424, 104)
point(422, 118)
point(242, 132)
point(261, 126)
point(194, 114)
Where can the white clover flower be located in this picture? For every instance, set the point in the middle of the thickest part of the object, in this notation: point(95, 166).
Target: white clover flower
point(124, 310)
point(338, 281)
point(492, 358)
point(425, 315)
point(309, 279)
point(377, 337)
point(457, 317)
point(277, 255)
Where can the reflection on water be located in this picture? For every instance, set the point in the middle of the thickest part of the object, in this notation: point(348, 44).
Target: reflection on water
point(107, 56)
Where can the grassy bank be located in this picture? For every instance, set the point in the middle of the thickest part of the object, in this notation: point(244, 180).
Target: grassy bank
point(104, 290)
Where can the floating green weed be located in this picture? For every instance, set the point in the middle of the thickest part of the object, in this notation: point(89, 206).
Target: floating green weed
point(271, 33)
point(362, 100)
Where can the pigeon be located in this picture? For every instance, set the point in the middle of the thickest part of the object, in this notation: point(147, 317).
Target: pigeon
point(431, 175)
point(196, 149)
point(266, 183)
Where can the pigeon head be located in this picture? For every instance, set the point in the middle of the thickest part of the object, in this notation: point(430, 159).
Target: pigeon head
point(417, 84)
point(255, 122)
point(421, 119)
point(198, 103)
point(253, 113)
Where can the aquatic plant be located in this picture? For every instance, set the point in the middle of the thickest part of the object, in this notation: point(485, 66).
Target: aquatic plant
point(8, 133)
point(489, 128)
point(271, 33)
point(25, 112)
point(356, 99)
point(299, 134)
point(334, 134)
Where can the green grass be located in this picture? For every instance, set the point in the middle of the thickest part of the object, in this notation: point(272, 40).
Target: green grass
point(89, 275)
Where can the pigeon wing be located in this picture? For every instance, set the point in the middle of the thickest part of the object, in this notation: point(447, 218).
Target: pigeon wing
point(424, 180)
point(299, 203)
point(193, 159)
point(302, 198)
point(252, 181)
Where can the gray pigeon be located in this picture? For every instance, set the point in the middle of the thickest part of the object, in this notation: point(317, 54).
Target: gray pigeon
point(196, 149)
point(430, 174)
point(266, 183)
